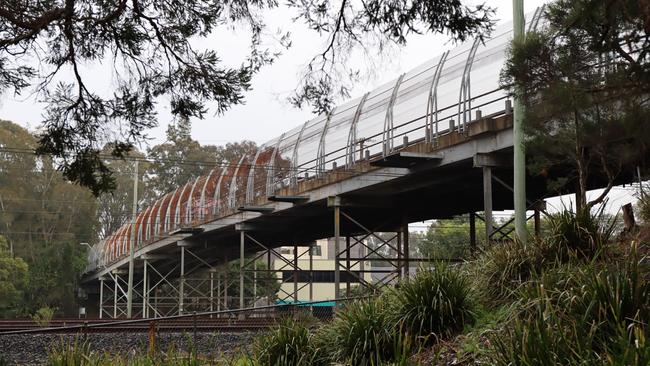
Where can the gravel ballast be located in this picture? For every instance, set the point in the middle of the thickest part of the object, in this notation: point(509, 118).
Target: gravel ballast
point(32, 349)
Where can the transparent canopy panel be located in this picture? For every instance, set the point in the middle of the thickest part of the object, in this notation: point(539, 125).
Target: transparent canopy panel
point(307, 148)
point(370, 126)
point(410, 108)
point(335, 140)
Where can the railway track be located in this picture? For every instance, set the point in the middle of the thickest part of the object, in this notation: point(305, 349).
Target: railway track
point(200, 324)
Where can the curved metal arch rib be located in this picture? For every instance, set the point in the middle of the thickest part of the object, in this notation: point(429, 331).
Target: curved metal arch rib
point(202, 199)
point(294, 158)
point(217, 192)
point(179, 204)
point(320, 157)
point(250, 183)
point(432, 102)
point(142, 226)
point(270, 173)
point(232, 194)
point(465, 95)
point(352, 135)
point(388, 121)
point(168, 213)
point(188, 207)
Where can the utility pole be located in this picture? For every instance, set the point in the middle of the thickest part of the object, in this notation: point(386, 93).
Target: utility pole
point(129, 294)
point(519, 152)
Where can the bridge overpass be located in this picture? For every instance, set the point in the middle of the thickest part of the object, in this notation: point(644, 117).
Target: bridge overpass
point(434, 143)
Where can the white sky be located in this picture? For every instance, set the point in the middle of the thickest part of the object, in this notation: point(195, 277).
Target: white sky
point(266, 113)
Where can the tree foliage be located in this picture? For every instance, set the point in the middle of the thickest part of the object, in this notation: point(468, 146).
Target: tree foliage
point(449, 239)
point(585, 78)
point(181, 159)
point(148, 44)
point(13, 279)
point(45, 218)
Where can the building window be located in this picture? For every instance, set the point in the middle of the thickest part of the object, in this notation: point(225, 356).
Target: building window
point(286, 251)
point(322, 276)
point(316, 250)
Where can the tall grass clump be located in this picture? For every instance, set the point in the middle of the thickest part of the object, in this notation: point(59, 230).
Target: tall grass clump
point(435, 303)
point(362, 333)
point(502, 269)
point(579, 235)
point(570, 237)
point(287, 344)
point(598, 316)
point(75, 353)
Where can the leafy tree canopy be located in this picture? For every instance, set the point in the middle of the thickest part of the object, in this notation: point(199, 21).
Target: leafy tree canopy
point(149, 46)
point(585, 77)
point(13, 279)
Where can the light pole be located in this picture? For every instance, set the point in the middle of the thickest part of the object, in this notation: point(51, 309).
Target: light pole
point(519, 163)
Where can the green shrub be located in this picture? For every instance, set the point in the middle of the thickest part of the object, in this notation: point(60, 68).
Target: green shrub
point(287, 344)
point(580, 235)
point(582, 316)
point(502, 269)
point(362, 333)
point(436, 302)
point(43, 316)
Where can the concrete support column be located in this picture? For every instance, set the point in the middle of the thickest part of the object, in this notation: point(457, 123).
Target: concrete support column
point(254, 281)
point(115, 295)
point(145, 290)
point(487, 202)
point(211, 291)
point(181, 286)
point(101, 297)
point(337, 249)
point(311, 274)
point(271, 275)
point(242, 260)
point(218, 291)
point(226, 284)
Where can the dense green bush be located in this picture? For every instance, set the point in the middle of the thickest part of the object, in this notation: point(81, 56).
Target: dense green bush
point(287, 344)
point(362, 333)
point(502, 269)
point(570, 237)
point(434, 303)
point(582, 315)
point(579, 235)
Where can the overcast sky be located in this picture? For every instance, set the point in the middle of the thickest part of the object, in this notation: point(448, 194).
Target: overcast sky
point(266, 113)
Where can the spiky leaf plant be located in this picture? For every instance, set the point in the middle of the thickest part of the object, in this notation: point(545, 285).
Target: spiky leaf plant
point(436, 302)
